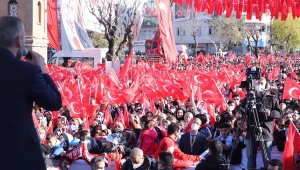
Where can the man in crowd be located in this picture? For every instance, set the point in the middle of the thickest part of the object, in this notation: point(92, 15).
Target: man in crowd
point(275, 164)
point(55, 148)
point(97, 163)
point(22, 83)
point(215, 159)
point(169, 144)
point(225, 138)
point(193, 142)
point(165, 161)
point(139, 161)
point(267, 107)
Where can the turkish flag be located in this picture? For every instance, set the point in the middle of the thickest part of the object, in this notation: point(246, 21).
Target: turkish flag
point(292, 147)
point(164, 12)
point(118, 164)
point(81, 110)
point(212, 94)
point(126, 117)
point(167, 90)
point(275, 73)
point(211, 112)
point(128, 64)
point(200, 78)
point(113, 80)
point(291, 89)
point(108, 120)
point(188, 127)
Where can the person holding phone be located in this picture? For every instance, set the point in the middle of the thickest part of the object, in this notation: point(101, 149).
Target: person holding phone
point(22, 83)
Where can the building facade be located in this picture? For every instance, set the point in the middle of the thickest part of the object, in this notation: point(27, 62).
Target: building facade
point(182, 26)
point(33, 14)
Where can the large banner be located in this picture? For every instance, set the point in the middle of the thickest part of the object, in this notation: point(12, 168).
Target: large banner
point(166, 28)
point(69, 37)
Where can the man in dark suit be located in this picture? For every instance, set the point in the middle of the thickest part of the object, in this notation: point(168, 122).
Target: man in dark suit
point(193, 142)
point(21, 84)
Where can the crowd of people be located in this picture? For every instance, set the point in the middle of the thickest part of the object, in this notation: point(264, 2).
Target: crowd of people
point(184, 128)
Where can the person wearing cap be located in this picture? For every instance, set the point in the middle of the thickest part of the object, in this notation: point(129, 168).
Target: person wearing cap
point(181, 160)
point(138, 161)
point(113, 143)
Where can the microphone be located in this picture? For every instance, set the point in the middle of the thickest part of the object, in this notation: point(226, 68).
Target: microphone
point(26, 53)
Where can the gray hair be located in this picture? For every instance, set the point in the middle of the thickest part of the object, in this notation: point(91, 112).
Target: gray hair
point(136, 152)
point(95, 160)
point(10, 29)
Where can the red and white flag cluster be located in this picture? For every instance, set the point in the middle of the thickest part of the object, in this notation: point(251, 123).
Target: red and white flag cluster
point(276, 8)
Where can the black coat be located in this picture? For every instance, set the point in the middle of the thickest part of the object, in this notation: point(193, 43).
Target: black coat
point(21, 84)
point(266, 102)
point(148, 164)
point(212, 162)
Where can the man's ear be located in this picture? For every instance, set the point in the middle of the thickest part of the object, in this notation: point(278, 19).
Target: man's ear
point(18, 41)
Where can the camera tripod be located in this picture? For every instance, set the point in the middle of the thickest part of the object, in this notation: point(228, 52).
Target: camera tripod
point(249, 113)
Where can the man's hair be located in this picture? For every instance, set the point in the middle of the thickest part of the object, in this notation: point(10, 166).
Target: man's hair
point(202, 117)
point(10, 29)
point(83, 133)
point(172, 128)
point(94, 162)
point(136, 152)
point(215, 147)
point(225, 125)
point(276, 162)
point(166, 159)
point(50, 136)
point(235, 95)
point(171, 118)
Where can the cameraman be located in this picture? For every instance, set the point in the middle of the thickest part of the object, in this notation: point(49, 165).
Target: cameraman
point(215, 159)
point(267, 108)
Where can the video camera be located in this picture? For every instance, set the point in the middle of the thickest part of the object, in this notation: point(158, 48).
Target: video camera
point(252, 75)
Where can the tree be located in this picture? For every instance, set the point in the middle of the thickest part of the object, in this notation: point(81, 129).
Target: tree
point(108, 13)
point(192, 26)
point(128, 36)
point(227, 31)
point(286, 33)
point(252, 33)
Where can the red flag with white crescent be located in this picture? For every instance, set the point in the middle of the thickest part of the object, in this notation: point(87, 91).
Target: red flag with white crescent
point(291, 89)
point(164, 12)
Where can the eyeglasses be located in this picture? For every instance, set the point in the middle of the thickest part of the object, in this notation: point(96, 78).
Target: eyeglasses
point(280, 125)
point(288, 117)
point(236, 99)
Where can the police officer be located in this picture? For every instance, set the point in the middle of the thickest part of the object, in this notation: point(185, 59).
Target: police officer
point(267, 109)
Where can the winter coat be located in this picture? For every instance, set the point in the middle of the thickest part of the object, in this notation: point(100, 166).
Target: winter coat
point(148, 164)
point(266, 102)
point(212, 162)
point(147, 141)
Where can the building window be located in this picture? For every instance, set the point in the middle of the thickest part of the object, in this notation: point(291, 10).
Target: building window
point(180, 31)
point(13, 8)
point(198, 31)
point(211, 30)
point(39, 12)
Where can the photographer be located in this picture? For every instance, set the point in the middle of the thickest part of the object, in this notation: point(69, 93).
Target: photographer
point(267, 109)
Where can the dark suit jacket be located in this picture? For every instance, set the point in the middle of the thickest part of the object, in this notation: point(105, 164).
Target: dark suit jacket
point(21, 83)
point(199, 146)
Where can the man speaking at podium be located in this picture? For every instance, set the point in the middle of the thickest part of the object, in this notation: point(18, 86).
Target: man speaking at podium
point(21, 83)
